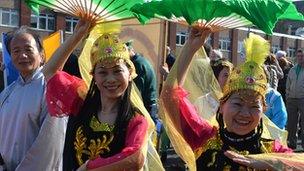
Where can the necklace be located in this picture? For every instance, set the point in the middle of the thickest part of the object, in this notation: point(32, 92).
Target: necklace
point(239, 139)
point(102, 112)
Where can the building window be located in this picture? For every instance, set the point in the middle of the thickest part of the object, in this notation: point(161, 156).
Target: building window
point(241, 48)
point(291, 52)
point(9, 17)
point(225, 44)
point(181, 38)
point(275, 48)
point(43, 22)
point(70, 24)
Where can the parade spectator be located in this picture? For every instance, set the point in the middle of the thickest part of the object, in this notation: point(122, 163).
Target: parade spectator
point(286, 66)
point(280, 54)
point(295, 100)
point(274, 70)
point(215, 55)
point(145, 81)
point(30, 139)
point(170, 59)
point(221, 69)
point(1, 69)
point(276, 109)
point(208, 49)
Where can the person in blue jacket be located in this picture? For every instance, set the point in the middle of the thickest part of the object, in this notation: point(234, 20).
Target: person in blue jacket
point(276, 109)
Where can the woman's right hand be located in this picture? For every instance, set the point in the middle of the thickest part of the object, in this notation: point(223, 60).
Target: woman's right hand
point(83, 27)
point(60, 56)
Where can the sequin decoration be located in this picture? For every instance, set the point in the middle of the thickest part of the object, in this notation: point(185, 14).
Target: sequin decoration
point(249, 80)
point(108, 50)
point(216, 143)
point(97, 126)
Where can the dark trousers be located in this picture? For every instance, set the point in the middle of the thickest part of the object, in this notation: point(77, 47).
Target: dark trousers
point(295, 110)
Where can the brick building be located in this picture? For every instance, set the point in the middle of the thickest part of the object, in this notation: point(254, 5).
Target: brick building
point(230, 42)
point(14, 13)
point(149, 40)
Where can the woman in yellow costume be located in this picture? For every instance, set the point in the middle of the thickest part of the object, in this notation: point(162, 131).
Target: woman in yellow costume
point(239, 115)
point(108, 128)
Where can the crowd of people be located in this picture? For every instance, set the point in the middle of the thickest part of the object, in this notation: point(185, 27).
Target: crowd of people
point(229, 118)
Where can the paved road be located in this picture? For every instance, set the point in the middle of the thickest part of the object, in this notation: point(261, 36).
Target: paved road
point(173, 162)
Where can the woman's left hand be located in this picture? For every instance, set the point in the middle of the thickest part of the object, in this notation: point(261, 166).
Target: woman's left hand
point(247, 161)
point(197, 37)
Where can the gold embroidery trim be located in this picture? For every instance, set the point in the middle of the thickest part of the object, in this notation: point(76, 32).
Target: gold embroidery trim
point(94, 150)
point(216, 143)
point(267, 146)
point(213, 143)
point(79, 144)
point(97, 126)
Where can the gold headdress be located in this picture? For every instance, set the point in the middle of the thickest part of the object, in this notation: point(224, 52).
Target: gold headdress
point(250, 75)
point(109, 51)
point(103, 45)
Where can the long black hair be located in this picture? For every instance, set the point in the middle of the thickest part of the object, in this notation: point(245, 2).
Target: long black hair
point(126, 111)
point(90, 107)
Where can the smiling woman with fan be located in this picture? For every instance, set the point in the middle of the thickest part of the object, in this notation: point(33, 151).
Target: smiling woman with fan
point(239, 116)
point(108, 127)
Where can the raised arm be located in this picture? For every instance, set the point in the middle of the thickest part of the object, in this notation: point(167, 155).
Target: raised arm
point(175, 106)
point(195, 41)
point(60, 56)
point(280, 73)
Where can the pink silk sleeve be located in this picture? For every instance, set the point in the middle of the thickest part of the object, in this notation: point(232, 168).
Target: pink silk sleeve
point(279, 148)
point(196, 130)
point(65, 94)
point(131, 157)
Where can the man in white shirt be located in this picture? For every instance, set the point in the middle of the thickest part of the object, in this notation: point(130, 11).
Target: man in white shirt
point(30, 139)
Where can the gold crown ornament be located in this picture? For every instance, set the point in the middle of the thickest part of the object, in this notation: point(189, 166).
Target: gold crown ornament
point(250, 75)
point(109, 50)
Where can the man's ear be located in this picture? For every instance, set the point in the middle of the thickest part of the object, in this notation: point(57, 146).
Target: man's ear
point(42, 58)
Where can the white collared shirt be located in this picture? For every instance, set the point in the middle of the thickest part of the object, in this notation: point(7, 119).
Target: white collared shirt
point(23, 114)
